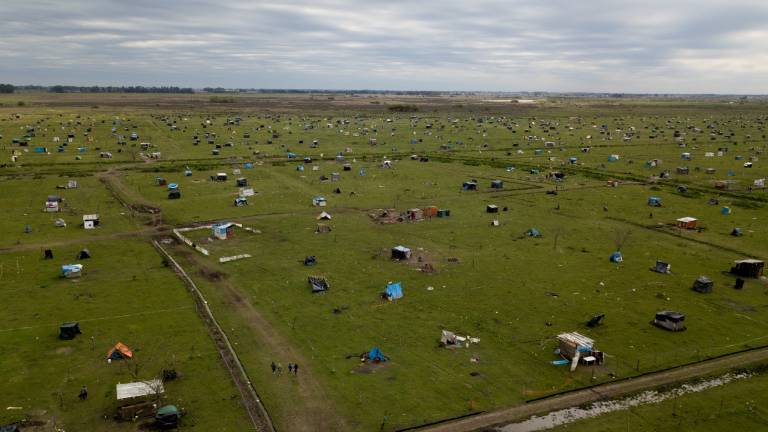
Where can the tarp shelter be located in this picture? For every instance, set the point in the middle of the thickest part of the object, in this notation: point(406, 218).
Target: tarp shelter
point(48, 254)
point(491, 208)
point(725, 211)
point(242, 182)
point(223, 231)
point(662, 267)
point(430, 211)
point(139, 389)
point(52, 206)
point(572, 343)
point(654, 201)
point(69, 330)
point(221, 177)
point(167, 416)
point(323, 216)
point(443, 213)
point(83, 254)
point(187, 172)
point(533, 232)
point(497, 184)
point(616, 257)
point(119, 351)
point(401, 253)
point(448, 338)
point(322, 228)
point(703, 284)
point(415, 214)
point(470, 185)
point(71, 271)
point(748, 268)
point(60, 223)
point(318, 284)
point(91, 221)
point(241, 201)
point(319, 201)
point(174, 194)
point(310, 260)
point(394, 291)
point(670, 320)
point(172, 186)
point(687, 222)
point(375, 355)
point(736, 232)
point(613, 158)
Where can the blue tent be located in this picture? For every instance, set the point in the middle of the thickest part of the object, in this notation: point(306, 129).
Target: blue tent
point(172, 186)
point(616, 257)
point(188, 172)
point(248, 165)
point(538, 152)
point(573, 160)
point(291, 155)
point(362, 172)
point(40, 150)
point(533, 232)
point(394, 290)
point(375, 355)
point(725, 210)
point(654, 201)
point(299, 167)
point(612, 158)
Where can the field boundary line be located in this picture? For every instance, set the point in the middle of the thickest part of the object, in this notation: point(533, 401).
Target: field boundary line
point(251, 400)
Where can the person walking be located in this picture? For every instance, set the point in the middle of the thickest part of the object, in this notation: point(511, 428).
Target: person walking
point(290, 367)
point(295, 369)
point(274, 367)
point(83, 393)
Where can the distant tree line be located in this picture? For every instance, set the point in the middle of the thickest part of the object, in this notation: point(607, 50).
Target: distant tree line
point(7, 88)
point(121, 89)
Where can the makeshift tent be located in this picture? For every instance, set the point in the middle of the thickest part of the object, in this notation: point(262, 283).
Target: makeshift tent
point(91, 221)
point(318, 284)
point(160, 181)
point(71, 271)
point(241, 201)
point(497, 184)
point(48, 254)
point(118, 352)
point(443, 213)
point(430, 211)
point(310, 260)
point(83, 254)
point(242, 182)
point(661, 267)
point(748, 268)
point(670, 320)
point(687, 222)
point(415, 214)
point(533, 232)
point(172, 186)
point(69, 330)
point(491, 208)
point(448, 338)
point(322, 228)
point(703, 284)
point(725, 211)
point(401, 253)
point(595, 320)
point(167, 416)
point(470, 185)
point(394, 291)
point(223, 231)
point(616, 257)
point(174, 194)
point(319, 201)
point(654, 201)
point(60, 223)
point(375, 355)
point(323, 216)
point(136, 391)
point(736, 232)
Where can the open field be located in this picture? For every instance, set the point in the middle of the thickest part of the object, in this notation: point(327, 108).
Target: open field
point(514, 292)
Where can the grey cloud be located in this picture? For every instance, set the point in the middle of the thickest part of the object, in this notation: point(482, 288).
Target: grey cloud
point(558, 45)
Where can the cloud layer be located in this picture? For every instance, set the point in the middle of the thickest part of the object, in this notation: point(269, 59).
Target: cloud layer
point(701, 46)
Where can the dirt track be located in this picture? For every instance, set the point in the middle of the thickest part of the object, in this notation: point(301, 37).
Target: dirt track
point(487, 421)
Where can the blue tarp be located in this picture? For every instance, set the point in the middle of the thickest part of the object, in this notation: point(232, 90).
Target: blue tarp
point(394, 290)
point(654, 201)
point(299, 167)
point(172, 186)
point(291, 155)
point(248, 165)
point(533, 232)
point(40, 150)
point(67, 269)
point(616, 257)
point(375, 355)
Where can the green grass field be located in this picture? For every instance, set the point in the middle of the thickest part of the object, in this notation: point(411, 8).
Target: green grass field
point(514, 292)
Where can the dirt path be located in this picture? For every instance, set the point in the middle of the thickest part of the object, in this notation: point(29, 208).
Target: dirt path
point(312, 409)
point(487, 421)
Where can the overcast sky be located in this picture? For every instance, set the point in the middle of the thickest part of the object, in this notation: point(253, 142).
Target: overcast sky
point(699, 46)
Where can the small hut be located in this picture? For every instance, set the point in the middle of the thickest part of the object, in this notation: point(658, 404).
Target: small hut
point(748, 268)
point(703, 285)
point(670, 320)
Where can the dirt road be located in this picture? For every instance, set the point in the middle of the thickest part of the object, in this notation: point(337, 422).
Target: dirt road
point(487, 421)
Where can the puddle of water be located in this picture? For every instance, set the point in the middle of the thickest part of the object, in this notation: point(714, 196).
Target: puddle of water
point(568, 415)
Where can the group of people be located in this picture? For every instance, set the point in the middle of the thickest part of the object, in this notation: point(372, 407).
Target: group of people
point(277, 368)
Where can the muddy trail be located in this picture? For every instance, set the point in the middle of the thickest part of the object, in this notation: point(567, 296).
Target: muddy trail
point(311, 407)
